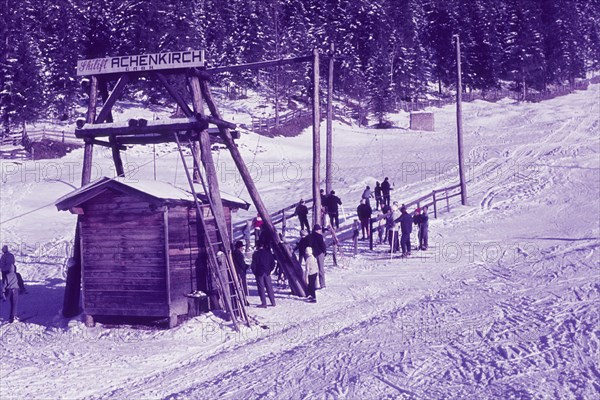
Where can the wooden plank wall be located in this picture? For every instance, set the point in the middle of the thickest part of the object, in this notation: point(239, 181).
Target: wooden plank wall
point(187, 258)
point(124, 269)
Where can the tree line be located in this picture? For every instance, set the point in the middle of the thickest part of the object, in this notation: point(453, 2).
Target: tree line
point(385, 50)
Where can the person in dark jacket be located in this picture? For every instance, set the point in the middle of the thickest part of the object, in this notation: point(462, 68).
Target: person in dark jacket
point(262, 266)
point(406, 223)
point(240, 266)
point(319, 248)
point(364, 215)
point(302, 245)
point(6, 261)
point(424, 229)
point(11, 287)
point(332, 209)
point(302, 213)
point(385, 191)
point(378, 198)
point(323, 205)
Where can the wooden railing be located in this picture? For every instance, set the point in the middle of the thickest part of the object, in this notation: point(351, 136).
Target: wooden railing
point(430, 200)
point(278, 217)
point(439, 199)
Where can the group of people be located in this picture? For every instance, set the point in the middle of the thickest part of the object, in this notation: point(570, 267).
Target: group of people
point(311, 248)
point(396, 224)
point(393, 223)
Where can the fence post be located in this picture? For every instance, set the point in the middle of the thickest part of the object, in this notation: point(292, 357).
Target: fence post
point(447, 202)
point(434, 206)
point(63, 136)
point(370, 233)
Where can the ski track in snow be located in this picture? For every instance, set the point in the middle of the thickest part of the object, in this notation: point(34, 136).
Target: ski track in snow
point(514, 315)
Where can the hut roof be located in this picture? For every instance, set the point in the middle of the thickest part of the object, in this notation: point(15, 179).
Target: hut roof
point(155, 191)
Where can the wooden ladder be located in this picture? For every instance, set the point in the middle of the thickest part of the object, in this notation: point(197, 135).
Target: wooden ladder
point(220, 262)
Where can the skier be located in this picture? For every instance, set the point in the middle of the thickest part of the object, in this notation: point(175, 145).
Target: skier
point(364, 215)
point(311, 270)
point(392, 227)
point(381, 222)
point(378, 198)
point(258, 223)
point(319, 249)
point(332, 209)
point(302, 213)
point(262, 266)
point(240, 265)
point(355, 232)
point(6, 261)
point(417, 222)
point(385, 191)
point(406, 228)
point(247, 232)
point(366, 195)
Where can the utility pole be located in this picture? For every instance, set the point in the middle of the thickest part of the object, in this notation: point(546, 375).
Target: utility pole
point(329, 144)
point(461, 168)
point(316, 181)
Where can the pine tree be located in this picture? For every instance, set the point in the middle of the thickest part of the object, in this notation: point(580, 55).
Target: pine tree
point(524, 61)
point(562, 41)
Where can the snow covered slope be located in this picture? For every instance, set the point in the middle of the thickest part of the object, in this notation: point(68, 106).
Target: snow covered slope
point(504, 304)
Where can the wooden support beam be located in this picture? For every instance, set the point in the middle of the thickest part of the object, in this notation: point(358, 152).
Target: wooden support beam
point(106, 144)
point(329, 141)
point(159, 126)
point(109, 102)
point(204, 73)
point(90, 118)
point(289, 264)
point(214, 192)
point(156, 138)
point(72, 294)
point(165, 126)
point(316, 175)
point(175, 95)
point(116, 156)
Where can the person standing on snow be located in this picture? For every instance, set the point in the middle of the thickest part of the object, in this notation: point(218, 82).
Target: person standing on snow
point(258, 223)
point(417, 222)
point(366, 195)
point(385, 191)
point(378, 198)
point(381, 222)
point(364, 215)
point(302, 213)
point(10, 286)
point(319, 249)
point(311, 270)
point(406, 222)
point(247, 232)
point(332, 209)
point(240, 266)
point(6, 261)
point(262, 266)
point(392, 227)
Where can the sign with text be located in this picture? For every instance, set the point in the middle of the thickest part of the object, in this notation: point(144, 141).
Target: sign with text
point(143, 62)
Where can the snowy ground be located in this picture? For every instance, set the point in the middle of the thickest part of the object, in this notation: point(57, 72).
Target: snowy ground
point(504, 304)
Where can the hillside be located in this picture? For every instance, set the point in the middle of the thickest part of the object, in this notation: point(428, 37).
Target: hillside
point(503, 304)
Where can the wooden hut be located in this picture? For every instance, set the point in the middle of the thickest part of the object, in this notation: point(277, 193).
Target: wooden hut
point(141, 253)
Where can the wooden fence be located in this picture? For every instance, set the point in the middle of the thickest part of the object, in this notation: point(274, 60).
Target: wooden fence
point(264, 125)
point(439, 200)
